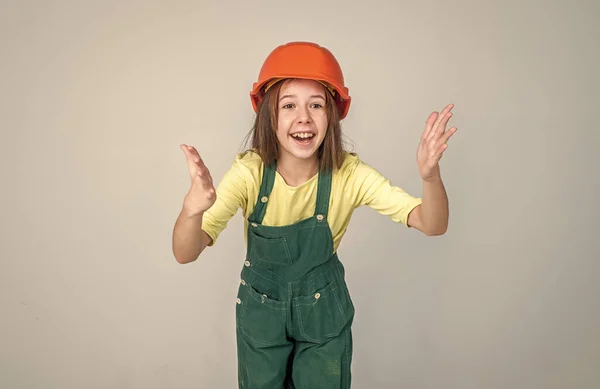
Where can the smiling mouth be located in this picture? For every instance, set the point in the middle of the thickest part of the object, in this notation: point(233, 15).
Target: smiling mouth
point(303, 138)
point(303, 135)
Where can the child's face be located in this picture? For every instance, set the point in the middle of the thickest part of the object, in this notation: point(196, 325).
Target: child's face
point(302, 119)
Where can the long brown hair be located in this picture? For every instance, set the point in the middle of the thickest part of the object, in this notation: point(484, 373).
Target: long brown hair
point(264, 140)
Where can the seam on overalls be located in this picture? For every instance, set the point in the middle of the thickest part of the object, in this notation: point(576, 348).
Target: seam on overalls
point(339, 304)
point(257, 274)
point(271, 306)
point(289, 322)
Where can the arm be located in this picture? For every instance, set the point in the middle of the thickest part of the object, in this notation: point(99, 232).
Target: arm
point(367, 186)
point(431, 217)
point(203, 218)
point(189, 240)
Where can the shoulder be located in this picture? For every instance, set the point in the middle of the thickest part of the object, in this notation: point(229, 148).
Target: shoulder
point(248, 162)
point(351, 162)
point(354, 167)
point(248, 158)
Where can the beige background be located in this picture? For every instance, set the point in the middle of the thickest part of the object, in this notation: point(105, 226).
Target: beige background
point(95, 98)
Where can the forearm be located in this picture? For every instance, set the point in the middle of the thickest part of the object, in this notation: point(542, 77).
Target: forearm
point(189, 240)
point(434, 209)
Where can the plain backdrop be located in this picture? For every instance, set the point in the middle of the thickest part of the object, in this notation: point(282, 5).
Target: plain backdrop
point(97, 96)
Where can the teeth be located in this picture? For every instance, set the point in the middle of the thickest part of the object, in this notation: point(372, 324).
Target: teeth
point(302, 135)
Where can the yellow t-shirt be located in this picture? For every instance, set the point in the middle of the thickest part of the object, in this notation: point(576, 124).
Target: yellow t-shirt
point(353, 185)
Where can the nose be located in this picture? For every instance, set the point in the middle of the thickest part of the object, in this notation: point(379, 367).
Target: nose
point(303, 114)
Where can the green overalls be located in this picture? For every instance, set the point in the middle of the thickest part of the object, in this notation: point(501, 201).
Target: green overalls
point(294, 311)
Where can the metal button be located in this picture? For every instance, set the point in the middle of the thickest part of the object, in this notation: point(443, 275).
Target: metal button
point(320, 217)
point(317, 295)
point(247, 263)
point(239, 301)
point(254, 225)
point(243, 282)
point(264, 199)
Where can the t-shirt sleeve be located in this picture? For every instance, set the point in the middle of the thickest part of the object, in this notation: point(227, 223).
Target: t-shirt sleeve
point(232, 194)
point(374, 190)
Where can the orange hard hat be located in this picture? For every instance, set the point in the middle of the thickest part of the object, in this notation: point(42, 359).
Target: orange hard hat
point(305, 60)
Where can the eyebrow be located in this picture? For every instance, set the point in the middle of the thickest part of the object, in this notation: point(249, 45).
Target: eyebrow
point(312, 97)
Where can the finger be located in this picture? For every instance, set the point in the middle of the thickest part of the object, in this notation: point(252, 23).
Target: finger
point(187, 150)
point(192, 150)
point(443, 140)
point(440, 152)
point(202, 172)
point(208, 188)
point(194, 160)
point(447, 135)
point(211, 193)
point(189, 155)
point(446, 110)
point(429, 124)
point(205, 176)
point(441, 117)
point(440, 126)
point(195, 156)
point(192, 167)
point(201, 181)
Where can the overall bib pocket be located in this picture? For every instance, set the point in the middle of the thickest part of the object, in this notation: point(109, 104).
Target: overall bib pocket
point(260, 318)
point(271, 250)
point(325, 313)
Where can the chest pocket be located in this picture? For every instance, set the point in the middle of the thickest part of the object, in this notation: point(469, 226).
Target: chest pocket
point(275, 251)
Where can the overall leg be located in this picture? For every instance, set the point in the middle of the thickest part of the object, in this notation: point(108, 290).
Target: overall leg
point(323, 313)
point(324, 365)
point(261, 366)
point(263, 346)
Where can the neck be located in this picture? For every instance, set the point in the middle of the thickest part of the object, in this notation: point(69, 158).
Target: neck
point(295, 171)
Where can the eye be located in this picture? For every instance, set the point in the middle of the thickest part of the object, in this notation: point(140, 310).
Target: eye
point(288, 105)
point(316, 105)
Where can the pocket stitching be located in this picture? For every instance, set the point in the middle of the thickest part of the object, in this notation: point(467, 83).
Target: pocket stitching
point(331, 293)
point(281, 239)
point(241, 315)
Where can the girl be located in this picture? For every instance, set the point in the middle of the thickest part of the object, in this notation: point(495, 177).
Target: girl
point(298, 188)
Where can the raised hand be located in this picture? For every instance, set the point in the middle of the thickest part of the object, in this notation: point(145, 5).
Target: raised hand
point(202, 194)
point(433, 143)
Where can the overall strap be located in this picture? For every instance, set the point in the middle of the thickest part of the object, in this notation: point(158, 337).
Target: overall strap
point(266, 186)
point(323, 192)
